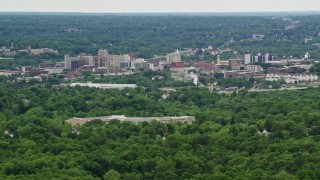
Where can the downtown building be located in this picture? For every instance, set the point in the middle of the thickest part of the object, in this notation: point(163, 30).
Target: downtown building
point(105, 63)
point(259, 58)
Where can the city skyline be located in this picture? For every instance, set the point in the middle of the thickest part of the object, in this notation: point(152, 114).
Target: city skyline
point(149, 6)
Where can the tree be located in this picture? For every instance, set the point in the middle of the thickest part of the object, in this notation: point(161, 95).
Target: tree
point(112, 175)
point(315, 69)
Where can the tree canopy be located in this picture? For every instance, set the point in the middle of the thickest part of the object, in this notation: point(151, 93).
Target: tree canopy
point(244, 135)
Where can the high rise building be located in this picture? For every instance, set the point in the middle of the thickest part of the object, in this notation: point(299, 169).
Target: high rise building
point(70, 62)
point(116, 59)
point(247, 57)
point(125, 64)
point(102, 60)
point(98, 61)
point(88, 60)
point(174, 57)
point(103, 53)
point(258, 58)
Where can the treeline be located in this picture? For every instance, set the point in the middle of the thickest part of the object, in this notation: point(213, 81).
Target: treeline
point(150, 35)
point(23, 59)
point(225, 142)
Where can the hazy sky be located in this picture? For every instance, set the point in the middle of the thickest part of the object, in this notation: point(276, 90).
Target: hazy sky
point(158, 5)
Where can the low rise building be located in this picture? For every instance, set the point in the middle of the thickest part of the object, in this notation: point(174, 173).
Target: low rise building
point(104, 86)
point(27, 79)
point(239, 74)
point(292, 78)
point(168, 119)
point(26, 68)
point(54, 70)
point(286, 70)
point(8, 73)
point(253, 68)
point(204, 67)
point(46, 65)
point(42, 50)
point(236, 63)
point(106, 70)
point(144, 66)
point(177, 67)
point(4, 51)
point(73, 75)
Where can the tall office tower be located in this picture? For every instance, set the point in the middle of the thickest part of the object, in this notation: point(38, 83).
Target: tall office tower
point(103, 53)
point(103, 56)
point(97, 61)
point(88, 60)
point(266, 57)
point(247, 57)
point(71, 62)
point(115, 60)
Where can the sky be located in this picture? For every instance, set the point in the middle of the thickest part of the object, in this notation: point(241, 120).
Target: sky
point(111, 6)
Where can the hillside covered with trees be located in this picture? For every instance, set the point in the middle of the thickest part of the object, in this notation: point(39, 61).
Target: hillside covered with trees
point(271, 135)
point(149, 35)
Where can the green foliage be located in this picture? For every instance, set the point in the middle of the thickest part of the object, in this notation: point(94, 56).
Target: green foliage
point(274, 84)
point(223, 143)
point(227, 141)
point(159, 34)
point(315, 69)
point(235, 82)
point(112, 175)
point(23, 59)
point(144, 79)
point(218, 75)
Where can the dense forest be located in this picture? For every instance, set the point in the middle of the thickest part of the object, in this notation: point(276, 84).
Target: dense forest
point(149, 35)
point(225, 142)
point(241, 135)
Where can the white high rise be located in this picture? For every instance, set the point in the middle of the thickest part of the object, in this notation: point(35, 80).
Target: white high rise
point(247, 57)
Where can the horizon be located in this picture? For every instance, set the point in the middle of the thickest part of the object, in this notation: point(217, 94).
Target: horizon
point(164, 12)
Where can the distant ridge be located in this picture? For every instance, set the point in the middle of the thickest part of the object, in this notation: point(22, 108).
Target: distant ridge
point(267, 13)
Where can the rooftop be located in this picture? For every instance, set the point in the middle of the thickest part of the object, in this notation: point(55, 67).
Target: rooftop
point(80, 121)
point(104, 86)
